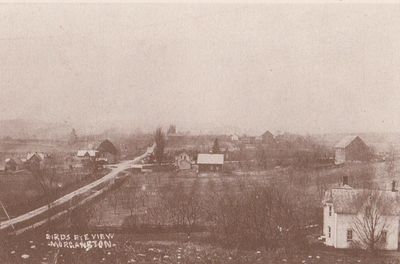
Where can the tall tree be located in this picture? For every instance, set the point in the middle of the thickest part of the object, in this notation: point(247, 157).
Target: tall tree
point(262, 157)
point(159, 138)
point(73, 137)
point(390, 162)
point(172, 129)
point(215, 148)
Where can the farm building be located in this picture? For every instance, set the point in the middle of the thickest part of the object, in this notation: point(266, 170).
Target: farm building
point(350, 149)
point(108, 152)
point(267, 138)
point(234, 138)
point(13, 164)
point(35, 159)
point(183, 161)
point(35, 155)
point(87, 154)
point(210, 162)
point(347, 213)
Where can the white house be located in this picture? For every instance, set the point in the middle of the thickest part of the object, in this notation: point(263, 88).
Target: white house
point(87, 154)
point(344, 209)
point(234, 138)
point(183, 161)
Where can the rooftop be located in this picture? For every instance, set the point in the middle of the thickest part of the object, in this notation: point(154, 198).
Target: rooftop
point(38, 154)
point(344, 142)
point(347, 200)
point(210, 159)
point(83, 152)
point(108, 147)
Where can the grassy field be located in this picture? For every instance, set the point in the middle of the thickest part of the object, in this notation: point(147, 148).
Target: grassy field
point(20, 192)
point(114, 211)
point(175, 248)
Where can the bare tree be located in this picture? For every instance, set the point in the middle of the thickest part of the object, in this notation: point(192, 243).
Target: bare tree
point(73, 137)
point(80, 218)
point(44, 173)
point(114, 200)
point(191, 207)
point(171, 129)
point(130, 197)
point(390, 162)
point(98, 214)
point(250, 214)
point(370, 223)
point(159, 139)
point(262, 157)
point(215, 148)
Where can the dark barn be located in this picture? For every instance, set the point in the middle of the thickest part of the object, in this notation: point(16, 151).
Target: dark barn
point(351, 149)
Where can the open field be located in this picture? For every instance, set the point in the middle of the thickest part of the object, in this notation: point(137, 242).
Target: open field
point(20, 192)
point(175, 248)
point(114, 206)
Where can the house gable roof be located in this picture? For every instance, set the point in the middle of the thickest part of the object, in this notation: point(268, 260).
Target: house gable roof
point(16, 161)
point(344, 142)
point(41, 156)
point(90, 152)
point(267, 134)
point(347, 200)
point(217, 159)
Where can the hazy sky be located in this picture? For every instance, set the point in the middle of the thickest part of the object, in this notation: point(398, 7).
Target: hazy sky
point(300, 68)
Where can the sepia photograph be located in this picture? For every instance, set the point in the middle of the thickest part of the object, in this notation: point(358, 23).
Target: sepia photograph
point(200, 132)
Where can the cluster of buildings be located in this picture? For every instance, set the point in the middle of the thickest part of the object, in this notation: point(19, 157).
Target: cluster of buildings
point(342, 206)
point(105, 153)
point(349, 149)
point(30, 160)
point(267, 138)
point(360, 218)
point(204, 162)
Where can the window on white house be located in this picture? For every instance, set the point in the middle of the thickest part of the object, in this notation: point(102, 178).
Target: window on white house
point(329, 231)
point(349, 235)
point(330, 210)
point(383, 236)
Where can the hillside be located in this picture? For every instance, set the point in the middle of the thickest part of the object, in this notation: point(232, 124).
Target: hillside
point(33, 129)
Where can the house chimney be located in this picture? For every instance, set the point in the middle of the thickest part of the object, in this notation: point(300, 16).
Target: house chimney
point(345, 180)
point(394, 186)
